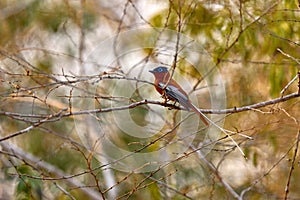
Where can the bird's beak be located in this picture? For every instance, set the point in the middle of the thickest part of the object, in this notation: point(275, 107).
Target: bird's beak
point(151, 71)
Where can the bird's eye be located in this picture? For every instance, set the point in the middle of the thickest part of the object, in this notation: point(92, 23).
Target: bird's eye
point(160, 70)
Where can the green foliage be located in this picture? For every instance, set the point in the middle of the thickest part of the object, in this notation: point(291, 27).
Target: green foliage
point(50, 17)
point(45, 64)
point(138, 114)
point(18, 22)
point(89, 20)
point(28, 188)
point(276, 79)
point(53, 150)
point(154, 191)
point(53, 22)
point(65, 13)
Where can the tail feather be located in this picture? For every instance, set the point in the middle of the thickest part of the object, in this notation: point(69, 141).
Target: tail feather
point(196, 110)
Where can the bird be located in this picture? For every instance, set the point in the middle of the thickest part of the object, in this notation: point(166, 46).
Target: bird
point(171, 90)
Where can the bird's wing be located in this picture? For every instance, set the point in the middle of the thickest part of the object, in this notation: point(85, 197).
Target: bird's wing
point(174, 94)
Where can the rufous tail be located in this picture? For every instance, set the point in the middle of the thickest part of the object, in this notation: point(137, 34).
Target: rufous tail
point(196, 110)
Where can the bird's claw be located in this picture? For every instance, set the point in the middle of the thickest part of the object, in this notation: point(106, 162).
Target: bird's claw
point(164, 96)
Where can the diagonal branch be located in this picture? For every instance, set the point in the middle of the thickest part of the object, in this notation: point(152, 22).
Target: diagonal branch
point(292, 166)
point(19, 153)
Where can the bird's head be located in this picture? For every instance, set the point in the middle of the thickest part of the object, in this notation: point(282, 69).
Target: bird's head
point(159, 70)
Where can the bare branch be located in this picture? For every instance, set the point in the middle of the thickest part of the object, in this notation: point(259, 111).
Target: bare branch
point(47, 167)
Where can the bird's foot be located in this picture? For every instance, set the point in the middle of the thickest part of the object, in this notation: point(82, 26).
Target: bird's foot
point(164, 96)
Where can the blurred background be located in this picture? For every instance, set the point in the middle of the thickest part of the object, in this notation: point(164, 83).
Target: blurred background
point(74, 80)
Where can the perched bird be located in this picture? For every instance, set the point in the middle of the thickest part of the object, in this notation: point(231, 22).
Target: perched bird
point(171, 90)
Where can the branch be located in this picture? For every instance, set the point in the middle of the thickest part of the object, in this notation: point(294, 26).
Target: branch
point(255, 182)
point(253, 106)
point(288, 56)
point(49, 118)
point(156, 102)
point(19, 153)
point(292, 166)
point(206, 111)
point(215, 171)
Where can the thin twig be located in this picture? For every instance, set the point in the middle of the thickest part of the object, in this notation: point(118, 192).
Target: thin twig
point(292, 166)
point(64, 191)
point(289, 56)
point(22, 155)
